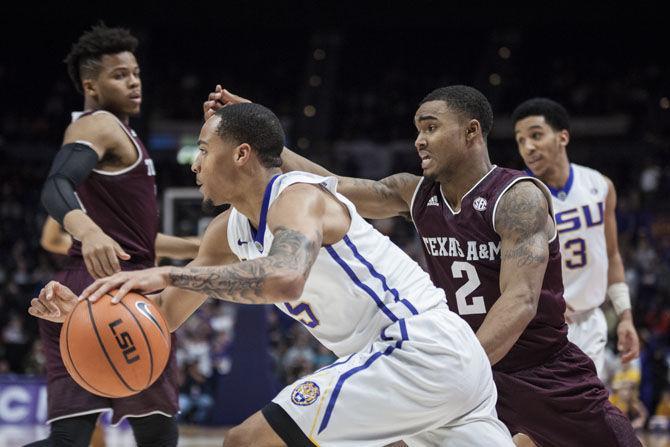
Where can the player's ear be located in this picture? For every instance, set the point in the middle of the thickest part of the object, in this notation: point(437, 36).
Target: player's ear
point(472, 130)
point(242, 154)
point(90, 87)
point(564, 137)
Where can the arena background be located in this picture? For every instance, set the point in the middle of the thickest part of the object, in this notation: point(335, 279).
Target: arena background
point(345, 80)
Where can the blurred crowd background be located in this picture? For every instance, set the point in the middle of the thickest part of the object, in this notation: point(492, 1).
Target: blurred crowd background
point(346, 91)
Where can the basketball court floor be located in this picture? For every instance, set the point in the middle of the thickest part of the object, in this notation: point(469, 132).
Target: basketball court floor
point(189, 436)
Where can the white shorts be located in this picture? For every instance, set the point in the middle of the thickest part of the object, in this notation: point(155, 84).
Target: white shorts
point(426, 380)
point(588, 331)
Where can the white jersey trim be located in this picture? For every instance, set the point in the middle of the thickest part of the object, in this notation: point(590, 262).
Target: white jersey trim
point(411, 203)
point(547, 196)
point(73, 415)
point(132, 139)
point(446, 202)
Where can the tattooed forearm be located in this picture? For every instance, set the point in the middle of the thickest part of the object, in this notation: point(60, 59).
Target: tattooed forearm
point(256, 281)
point(378, 199)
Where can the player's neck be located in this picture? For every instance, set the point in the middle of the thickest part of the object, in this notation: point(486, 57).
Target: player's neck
point(91, 105)
point(557, 176)
point(252, 192)
point(457, 183)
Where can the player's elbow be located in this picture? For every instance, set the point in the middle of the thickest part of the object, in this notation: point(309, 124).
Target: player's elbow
point(527, 300)
point(289, 286)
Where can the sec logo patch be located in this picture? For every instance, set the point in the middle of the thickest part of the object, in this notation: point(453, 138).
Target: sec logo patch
point(305, 394)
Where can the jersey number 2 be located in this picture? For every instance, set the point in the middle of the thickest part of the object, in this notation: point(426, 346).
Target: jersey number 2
point(476, 306)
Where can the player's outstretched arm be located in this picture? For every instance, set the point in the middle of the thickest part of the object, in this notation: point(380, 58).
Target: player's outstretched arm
point(628, 342)
point(523, 223)
point(296, 221)
point(276, 278)
point(174, 247)
point(374, 199)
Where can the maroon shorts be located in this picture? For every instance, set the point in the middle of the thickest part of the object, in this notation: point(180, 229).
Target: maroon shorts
point(562, 403)
point(65, 398)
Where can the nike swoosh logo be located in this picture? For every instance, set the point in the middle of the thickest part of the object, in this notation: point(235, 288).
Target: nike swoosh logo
point(241, 242)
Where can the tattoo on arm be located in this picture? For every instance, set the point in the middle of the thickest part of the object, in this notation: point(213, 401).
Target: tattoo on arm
point(522, 218)
point(244, 282)
point(387, 188)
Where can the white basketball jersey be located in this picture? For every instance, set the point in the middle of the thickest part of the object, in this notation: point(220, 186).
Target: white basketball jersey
point(356, 288)
point(580, 219)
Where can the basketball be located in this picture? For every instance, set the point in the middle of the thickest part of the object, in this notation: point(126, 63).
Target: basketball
point(115, 350)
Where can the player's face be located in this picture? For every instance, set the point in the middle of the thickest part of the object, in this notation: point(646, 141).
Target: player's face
point(441, 137)
point(539, 144)
point(118, 87)
point(213, 169)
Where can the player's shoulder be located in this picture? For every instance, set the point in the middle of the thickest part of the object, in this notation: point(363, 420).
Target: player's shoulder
point(591, 177)
point(586, 171)
point(521, 209)
point(100, 126)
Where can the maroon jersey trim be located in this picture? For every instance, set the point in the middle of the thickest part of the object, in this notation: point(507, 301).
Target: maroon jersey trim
point(140, 156)
point(547, 196)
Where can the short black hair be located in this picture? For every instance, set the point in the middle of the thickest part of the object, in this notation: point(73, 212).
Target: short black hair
point(554, 114)
point(255, 125)
point(84, 57)
point(467, 101)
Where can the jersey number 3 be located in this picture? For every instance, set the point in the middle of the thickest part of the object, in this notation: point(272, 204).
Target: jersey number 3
point(476, 304)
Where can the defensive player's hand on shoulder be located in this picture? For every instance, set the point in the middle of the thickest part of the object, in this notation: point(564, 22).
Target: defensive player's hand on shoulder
point(101, 254)
point(54, 302)
point(219, 98)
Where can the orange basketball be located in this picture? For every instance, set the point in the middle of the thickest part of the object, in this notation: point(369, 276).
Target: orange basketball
point(115, 350)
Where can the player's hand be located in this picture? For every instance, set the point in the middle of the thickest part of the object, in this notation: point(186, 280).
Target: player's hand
point(54, 303)
point(628, 343)
point(219, 98)
point(149, 280)
point(101, 254)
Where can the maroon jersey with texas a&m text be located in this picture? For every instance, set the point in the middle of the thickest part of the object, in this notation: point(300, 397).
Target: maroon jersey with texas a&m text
point(462, 251)
point(123, 203)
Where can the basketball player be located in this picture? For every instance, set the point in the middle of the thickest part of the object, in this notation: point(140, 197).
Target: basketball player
point(490, 242)
point(101, 189)
point(584, 203)
point(408, 367)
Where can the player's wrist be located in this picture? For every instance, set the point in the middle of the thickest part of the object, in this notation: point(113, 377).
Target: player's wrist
point(620, 297)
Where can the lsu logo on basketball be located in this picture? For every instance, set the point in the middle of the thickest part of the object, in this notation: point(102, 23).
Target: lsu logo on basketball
point(305, 394)
point(125, 342)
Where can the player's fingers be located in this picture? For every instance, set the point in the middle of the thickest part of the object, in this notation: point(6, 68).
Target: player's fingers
point(88, 291)
point(123, 291)
point(121, 253)
point(96, 267)
point(52, 309)
point(37, 306)
point(113, 261)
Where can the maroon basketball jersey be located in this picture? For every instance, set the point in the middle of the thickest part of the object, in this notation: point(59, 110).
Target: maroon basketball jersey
point(463, 255)
point(123, 203)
